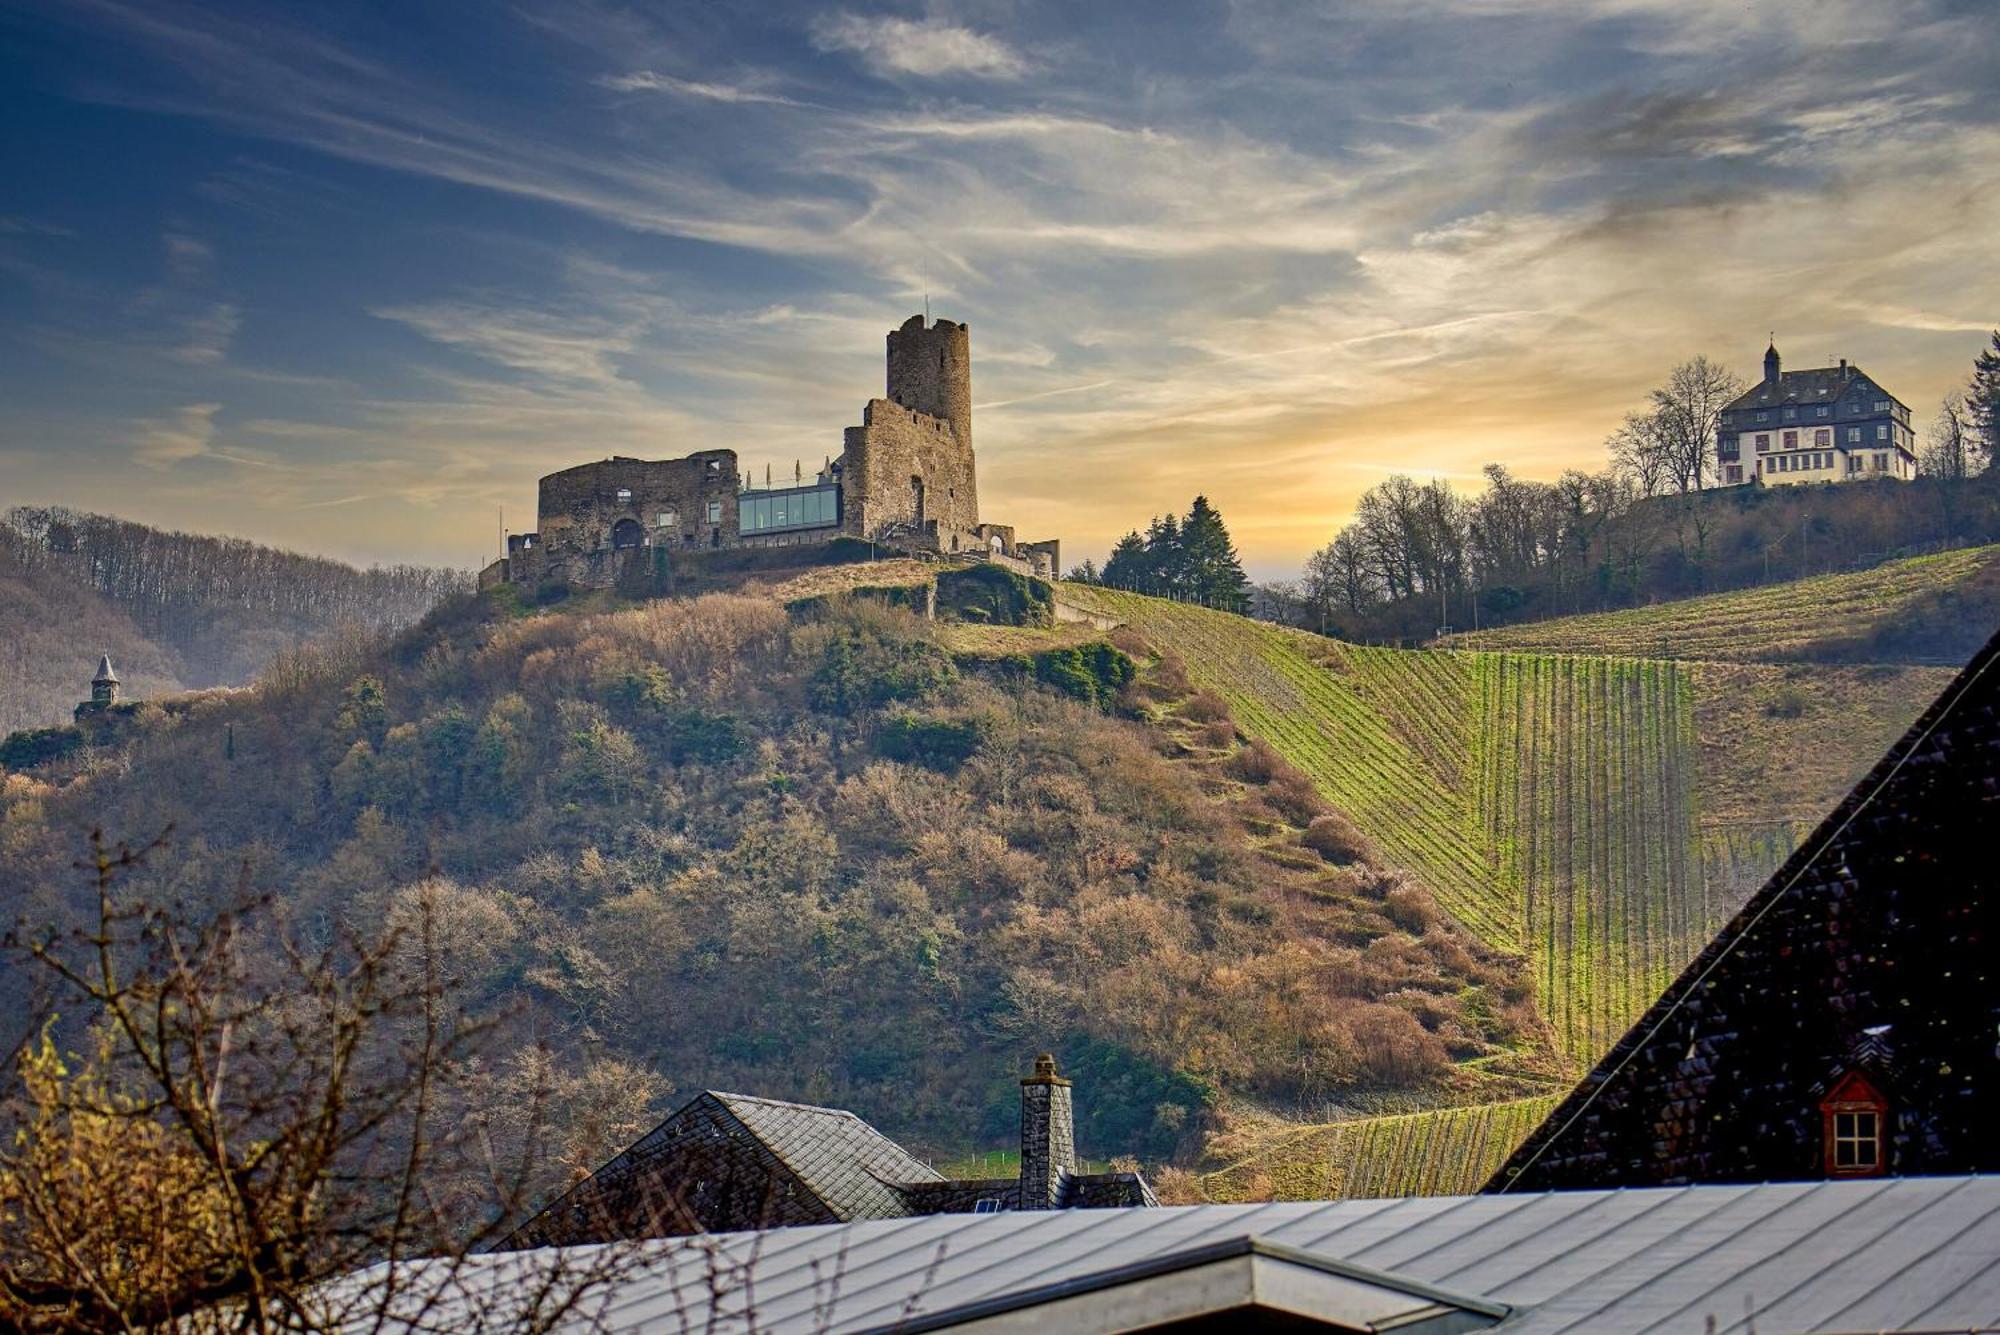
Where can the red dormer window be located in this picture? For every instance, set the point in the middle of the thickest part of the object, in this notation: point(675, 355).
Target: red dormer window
point(1855, 1122)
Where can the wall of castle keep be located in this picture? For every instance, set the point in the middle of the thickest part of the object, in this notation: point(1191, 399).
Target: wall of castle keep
point(906, 475)
point(930, 370)
point(628, 503)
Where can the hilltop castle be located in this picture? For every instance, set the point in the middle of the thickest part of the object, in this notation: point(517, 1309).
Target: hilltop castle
point(905, 478)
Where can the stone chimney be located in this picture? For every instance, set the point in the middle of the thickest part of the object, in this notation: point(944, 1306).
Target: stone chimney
point(1048, 1136)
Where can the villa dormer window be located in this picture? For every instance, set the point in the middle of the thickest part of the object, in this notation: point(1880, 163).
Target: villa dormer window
point(1855, 1118)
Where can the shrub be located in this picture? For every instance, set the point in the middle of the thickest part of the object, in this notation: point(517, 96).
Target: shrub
point(1334, 838)
point(1206, 707)
point(859, 667)
point(1392, 1047)
point(1410, 908)
point(994, 595)
point(936, 743)
point(1258, 762)
point(38, 746)
point(1294, 797)
point(1218, 734)
point(1093, 672)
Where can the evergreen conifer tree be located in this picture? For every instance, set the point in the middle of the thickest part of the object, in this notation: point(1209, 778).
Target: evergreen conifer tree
point(1982, 399)
point(1126, 567)
point(1211, 572)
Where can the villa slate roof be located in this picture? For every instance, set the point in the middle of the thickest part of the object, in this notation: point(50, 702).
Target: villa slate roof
point(1820, 384)
point(842, 1160)
point(1871, 949)
point(1901, 1255)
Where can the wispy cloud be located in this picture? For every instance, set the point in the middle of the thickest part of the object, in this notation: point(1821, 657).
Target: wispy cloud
point(1257, 257)
point(926, 48)
point(208, 335)
point(189, 433)
point(646, 81)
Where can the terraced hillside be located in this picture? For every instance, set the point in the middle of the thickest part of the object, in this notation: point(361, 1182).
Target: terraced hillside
point(1925, 609)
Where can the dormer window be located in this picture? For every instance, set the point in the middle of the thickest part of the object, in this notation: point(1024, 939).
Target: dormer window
point(1855, 1120)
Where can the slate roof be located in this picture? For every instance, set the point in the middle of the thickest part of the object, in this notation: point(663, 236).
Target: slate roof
point(1871, 948)
point(1819, 384)
point(844, 1161)
point(1904, 1255)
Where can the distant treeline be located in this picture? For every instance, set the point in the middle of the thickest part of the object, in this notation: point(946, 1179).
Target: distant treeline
point(1422, 556)
point(174, 610)
point(224, 605)
point(1653, 526)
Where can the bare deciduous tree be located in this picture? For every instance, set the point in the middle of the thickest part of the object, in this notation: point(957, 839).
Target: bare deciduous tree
point(250, 1125)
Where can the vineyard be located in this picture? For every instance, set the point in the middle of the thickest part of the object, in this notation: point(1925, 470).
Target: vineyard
point(1547, 801)
point(1597, 815)
point(1841, 616)
point(1441, 1152)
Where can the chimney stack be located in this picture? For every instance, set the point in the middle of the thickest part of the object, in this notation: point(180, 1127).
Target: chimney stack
point(1048, 1136)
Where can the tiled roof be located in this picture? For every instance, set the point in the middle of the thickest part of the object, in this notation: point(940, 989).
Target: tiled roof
point(1902, 1255)
point(844, 1161)
point(1820, 384)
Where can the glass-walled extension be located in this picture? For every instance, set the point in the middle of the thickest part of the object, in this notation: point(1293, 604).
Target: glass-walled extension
point(788, 508)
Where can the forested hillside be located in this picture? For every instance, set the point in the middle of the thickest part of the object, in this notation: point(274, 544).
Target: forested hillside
point(1419, 556)
point(835, 853)
point(173, 609)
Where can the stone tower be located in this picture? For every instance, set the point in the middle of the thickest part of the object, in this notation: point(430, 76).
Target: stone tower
point(104, 686)
point(930, 370)
point(1048, 1136)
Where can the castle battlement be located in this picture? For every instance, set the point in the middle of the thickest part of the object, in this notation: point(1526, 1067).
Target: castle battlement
point(904, 477)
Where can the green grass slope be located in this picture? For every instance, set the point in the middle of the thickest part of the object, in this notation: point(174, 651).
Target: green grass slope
point(1926, 609)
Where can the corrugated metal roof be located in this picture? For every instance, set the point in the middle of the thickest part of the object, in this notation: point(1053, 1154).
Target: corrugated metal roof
point(1909, 1255)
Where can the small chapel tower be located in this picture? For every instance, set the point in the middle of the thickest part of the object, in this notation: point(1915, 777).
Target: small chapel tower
point(104, 686)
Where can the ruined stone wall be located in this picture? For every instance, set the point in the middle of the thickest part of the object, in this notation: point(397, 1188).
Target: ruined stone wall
point(906, 476)
point(930, 369)
point(676, 503)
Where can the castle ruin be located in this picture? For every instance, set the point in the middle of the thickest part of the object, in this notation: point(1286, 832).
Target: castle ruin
point(904, 479)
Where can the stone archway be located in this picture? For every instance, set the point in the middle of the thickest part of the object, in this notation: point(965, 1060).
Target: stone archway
point(626, 534)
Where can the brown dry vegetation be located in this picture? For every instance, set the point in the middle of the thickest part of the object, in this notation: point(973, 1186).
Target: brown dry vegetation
point(674, 839)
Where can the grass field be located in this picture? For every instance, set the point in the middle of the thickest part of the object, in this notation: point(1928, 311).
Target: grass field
point(1805, 619)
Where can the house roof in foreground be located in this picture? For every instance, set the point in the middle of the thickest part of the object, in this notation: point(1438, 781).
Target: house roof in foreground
point(841, 1159)
point(1893, 1254)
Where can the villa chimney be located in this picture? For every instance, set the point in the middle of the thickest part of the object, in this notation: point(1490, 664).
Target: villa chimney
point(1843, 370)
point(1048, 1136)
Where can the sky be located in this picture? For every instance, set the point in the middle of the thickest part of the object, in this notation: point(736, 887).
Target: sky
point(348, 278)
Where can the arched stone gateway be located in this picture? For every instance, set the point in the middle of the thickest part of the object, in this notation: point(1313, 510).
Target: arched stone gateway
point(625, 534)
